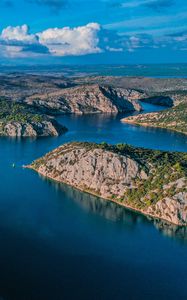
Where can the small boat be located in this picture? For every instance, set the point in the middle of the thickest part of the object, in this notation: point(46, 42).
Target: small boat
point(13, 165)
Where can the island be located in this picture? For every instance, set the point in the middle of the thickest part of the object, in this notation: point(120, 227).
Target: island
point(174, 118)
point(151, 182)
point(20, 120)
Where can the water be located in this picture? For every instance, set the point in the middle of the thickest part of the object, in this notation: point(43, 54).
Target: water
point(58, 243)
point(149, 70)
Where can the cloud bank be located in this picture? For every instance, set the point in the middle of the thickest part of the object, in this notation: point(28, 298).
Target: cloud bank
point(89, 39)
point(76, 41)
point(18, 42)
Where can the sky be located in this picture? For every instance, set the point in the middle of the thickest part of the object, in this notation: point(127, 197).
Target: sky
point(93, 31)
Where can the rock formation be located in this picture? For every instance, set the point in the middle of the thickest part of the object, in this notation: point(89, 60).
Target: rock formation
point(31, 128)
point(132, 177)
point(18, 119)
point(87, 99)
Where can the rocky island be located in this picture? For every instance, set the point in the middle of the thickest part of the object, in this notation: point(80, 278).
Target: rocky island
point(149, 181)
point(19, 120)
point(174, 118)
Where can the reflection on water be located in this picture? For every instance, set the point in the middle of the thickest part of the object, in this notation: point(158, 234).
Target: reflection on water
point(60, 243)
point(118, 214)
point(172, 231)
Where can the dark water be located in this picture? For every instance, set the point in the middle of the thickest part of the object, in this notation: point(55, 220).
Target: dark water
point(58, 243)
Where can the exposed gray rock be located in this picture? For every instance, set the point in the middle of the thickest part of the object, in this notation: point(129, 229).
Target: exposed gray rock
point(97, 170)
point(87, 99)
point(172, 209)
point(111, 175)
point(31, 129)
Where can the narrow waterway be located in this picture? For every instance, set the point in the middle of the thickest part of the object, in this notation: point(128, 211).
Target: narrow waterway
point(59, 243)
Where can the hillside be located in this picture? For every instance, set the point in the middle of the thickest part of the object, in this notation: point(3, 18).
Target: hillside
point(20, 120)
point(174, 118)
point(151, 182)
point(87, 99)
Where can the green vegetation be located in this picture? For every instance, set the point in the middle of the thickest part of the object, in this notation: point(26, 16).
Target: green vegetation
point(163, 169)
point(17, 112)
point(174, 118)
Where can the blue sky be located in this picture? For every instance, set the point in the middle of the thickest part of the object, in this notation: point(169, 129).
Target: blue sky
point(87, 31)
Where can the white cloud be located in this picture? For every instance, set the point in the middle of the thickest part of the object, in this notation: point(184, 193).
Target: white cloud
point(18, 33)
point(71, 41)
point(89, 39)
point(18, 42)
point(66, 41)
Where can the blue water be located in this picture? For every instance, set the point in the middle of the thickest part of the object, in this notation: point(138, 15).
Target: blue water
point(59, 243)
point(149, 70)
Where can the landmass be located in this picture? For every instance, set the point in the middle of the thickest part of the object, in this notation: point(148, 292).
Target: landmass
point(160, 91)
point(151, 182)
point(87, 99)
point(55, 95)
point(91, 93)
point(174, 118)
point(18, 120)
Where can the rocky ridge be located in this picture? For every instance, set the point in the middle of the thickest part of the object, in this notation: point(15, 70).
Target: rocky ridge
point(87, 99)
point(151, 182)
point(58, 94)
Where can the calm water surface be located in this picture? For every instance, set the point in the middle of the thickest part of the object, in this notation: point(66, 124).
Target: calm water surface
point(58, 243)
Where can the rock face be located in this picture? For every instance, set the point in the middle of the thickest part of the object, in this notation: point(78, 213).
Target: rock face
point(118, 176)
point(87, 99)
point(161, 91)
point(18, 119)
point(96, 170)
point(149, 85)
point(31, 129)
point(172, 209)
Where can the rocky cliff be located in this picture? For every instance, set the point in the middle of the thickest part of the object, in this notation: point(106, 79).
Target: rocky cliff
point(152, 182)
point(159, 91)
point(31, 128)
point(18, 120)
point(87, 99)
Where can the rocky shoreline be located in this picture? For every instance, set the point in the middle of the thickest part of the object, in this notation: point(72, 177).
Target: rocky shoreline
point(31, 129)
point(20, 120)
point(46, 96)
point(174, 119)
point(131, 177)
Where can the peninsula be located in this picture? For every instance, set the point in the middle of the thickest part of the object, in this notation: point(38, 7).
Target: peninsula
point(149, 181)
point(174, 118)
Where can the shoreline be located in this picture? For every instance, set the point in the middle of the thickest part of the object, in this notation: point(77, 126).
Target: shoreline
point(132, 122)
point(131, 208)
